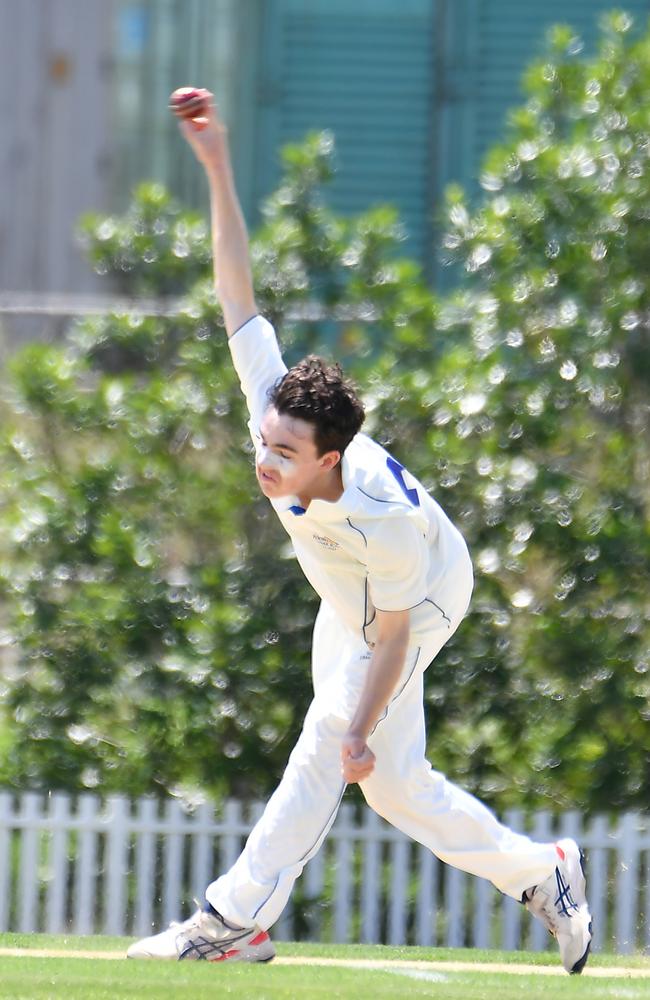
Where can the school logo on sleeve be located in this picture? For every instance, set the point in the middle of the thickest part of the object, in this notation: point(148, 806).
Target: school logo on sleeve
point(326, 542)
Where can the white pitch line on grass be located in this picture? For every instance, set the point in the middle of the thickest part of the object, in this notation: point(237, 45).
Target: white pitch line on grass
point(429, 977)
point(513, 969)
point(382, 965)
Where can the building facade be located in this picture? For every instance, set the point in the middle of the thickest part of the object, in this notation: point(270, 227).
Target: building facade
point(415, 92)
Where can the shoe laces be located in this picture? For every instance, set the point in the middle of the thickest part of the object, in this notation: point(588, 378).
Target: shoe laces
point(193, 921)
point(554, 900)
point(196, 920)
point(209, 921)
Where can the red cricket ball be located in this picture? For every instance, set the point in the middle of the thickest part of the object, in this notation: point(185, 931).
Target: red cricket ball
point(190, 104)
point(183, 94)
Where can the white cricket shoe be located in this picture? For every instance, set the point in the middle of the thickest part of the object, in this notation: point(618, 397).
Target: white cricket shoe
point(206, 935)
point(561, 904)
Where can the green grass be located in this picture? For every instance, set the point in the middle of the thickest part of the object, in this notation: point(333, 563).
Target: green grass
point(27, 978)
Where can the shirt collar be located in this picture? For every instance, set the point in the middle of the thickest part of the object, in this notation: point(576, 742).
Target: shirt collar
point(323, 509)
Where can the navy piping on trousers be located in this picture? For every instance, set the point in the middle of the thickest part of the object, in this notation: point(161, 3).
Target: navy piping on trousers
point(396, 696)
point(307, 853)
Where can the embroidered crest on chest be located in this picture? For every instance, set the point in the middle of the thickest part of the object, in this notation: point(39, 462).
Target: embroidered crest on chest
point(326, 542)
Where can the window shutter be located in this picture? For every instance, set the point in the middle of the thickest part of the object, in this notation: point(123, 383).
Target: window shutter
point(365, 70)
point(506, 36)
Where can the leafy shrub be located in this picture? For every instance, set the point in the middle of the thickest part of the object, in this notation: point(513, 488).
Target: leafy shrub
point(160, 628)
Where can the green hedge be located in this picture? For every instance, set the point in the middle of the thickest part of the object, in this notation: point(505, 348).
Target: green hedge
point(156, 628)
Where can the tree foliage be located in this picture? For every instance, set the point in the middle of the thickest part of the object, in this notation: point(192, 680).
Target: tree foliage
point(156, 629)
point(537, 422)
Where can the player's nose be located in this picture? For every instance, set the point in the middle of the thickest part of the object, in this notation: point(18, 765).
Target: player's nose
point(261, 455)
point(266, 460)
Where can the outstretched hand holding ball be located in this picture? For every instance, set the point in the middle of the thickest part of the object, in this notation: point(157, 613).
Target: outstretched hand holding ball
point(199, 121)
point(191, 104)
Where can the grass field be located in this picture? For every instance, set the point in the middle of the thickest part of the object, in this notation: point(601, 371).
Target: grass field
point(405, 972)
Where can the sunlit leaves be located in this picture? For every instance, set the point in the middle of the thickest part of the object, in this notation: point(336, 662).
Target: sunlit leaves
point(538, 439)
point(156, 634)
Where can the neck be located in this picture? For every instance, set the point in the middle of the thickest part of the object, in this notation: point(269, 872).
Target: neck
point(328, 487)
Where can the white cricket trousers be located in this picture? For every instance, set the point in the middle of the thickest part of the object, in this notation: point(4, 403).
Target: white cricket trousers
point(403, 788)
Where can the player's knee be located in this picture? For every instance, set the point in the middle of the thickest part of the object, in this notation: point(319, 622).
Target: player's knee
point(390, 786)
point(320, 739)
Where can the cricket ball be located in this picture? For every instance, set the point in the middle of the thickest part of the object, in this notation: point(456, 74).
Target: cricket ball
point(191, 104)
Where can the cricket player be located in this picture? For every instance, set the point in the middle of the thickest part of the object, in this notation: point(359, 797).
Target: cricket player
point(395, 579)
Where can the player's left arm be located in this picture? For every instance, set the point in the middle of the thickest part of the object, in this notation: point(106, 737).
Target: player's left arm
point(384, 669)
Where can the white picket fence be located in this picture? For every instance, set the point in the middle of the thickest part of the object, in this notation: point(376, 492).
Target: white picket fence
point(86, 865)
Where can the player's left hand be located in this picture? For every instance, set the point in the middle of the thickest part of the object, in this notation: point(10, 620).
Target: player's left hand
point(357, 759)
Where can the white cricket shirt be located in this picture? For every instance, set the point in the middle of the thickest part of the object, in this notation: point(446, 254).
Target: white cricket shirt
point(385, 543)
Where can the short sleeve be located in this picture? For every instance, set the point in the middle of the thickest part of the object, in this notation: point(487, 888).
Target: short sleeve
point(398, 562)
point(258, 363)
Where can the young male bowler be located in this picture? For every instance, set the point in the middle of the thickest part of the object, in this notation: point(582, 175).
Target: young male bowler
point(395, 579)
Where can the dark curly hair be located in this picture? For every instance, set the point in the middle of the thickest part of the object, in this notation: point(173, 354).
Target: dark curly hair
point(319, 393)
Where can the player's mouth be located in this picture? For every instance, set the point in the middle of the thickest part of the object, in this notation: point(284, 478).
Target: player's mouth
point(267, 478)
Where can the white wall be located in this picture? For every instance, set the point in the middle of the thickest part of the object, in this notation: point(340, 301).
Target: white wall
point(55, 147)
point(83, 118)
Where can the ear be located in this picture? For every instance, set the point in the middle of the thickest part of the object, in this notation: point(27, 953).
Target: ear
point(330, 460)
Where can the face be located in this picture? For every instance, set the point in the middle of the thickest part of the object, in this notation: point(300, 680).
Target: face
point(287, 462)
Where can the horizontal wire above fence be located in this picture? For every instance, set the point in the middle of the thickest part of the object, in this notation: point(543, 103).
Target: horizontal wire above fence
point(29, 304)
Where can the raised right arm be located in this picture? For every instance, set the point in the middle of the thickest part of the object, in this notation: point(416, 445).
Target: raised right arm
point(231, 258)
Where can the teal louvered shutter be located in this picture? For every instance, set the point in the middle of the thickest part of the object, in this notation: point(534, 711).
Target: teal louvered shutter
point(160, 45)
point(489, 46)
point(415, 91)
point(366, 71)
